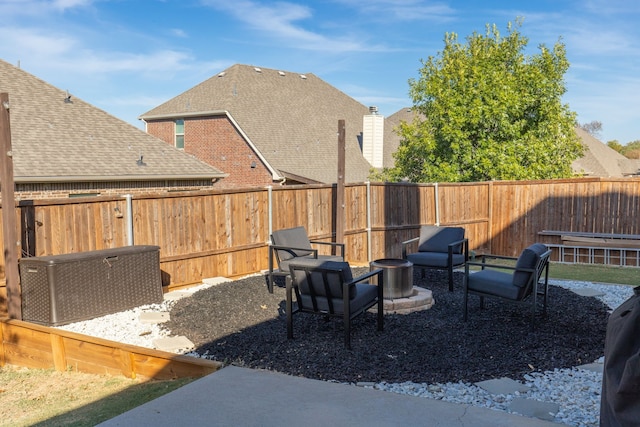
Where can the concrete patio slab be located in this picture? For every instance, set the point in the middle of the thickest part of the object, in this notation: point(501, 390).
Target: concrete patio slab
point(176, 295)
point(587, 292)
point(502, 386)
point(534, 408)
point(215, 280)
point(154, 317)
point(595, 367)
point(241, 397)
point(173, 344)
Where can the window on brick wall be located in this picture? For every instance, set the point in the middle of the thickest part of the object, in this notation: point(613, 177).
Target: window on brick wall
point(179, 140)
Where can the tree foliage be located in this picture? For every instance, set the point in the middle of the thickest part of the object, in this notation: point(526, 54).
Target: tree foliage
point(487, 111)
point(631, 150)
point(593, 128)
point(615, 145)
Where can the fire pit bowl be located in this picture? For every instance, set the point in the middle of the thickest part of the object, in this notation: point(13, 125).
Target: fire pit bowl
point(397, 275)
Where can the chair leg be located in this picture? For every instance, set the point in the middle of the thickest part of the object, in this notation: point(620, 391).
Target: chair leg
point(380, 314)
point(535, 306)
point(346, 318)
point(289, 310)
point(450, 278)
point(270, 277)
point(464, 303)
point(347, 330)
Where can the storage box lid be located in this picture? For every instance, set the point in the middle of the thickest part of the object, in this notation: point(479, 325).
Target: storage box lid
point(78, 256)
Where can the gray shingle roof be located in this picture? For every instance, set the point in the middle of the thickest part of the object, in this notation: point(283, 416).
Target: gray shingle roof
point(599, 159)
point(291, 118)
point(405, 114)
point(54, 140)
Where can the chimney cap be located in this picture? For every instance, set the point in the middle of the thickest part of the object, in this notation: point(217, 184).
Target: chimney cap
point(373, 109)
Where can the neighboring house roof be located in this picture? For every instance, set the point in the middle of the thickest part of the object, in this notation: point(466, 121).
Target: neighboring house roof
point(601, 160)
point(290, 118)
point(392, 139)
point(55, 139)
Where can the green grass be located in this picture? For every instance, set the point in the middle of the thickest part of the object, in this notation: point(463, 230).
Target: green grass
point(115, 404)
point(586, 272)
point(595, 273)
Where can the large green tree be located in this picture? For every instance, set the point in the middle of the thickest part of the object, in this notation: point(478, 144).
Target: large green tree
point(631, 150)
point(485, 110)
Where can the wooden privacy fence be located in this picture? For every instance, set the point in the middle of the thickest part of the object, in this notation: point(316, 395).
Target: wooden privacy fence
point(226, 233)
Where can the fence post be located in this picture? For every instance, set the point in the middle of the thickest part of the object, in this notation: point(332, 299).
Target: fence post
point(437, 203)
point(269, 212)
point(9, 226)
point(130, 240)
point(368, 184)
point(341, 179)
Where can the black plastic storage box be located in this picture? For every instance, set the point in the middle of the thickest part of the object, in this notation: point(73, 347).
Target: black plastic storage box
point(61, 289)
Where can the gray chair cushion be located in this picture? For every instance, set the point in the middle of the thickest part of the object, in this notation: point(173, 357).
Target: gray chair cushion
point(294, 238)
point(434, 259)
point(337, 273)
point(437, 239)
point(364, 294)
point(528, 259)
point(308, 260)
point(496, 283)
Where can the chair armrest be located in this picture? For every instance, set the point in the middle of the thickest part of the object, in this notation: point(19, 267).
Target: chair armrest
point(499, 266)
point(337, 245)
point(289, 249)
point(485, 257)
point(465, 248)
point(407, 243)
point(378, 272)
point(483, 262)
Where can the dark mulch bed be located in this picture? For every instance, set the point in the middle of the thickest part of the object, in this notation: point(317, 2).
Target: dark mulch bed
point(240, 323)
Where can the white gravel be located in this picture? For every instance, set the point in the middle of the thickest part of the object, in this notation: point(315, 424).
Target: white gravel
point(576, 391)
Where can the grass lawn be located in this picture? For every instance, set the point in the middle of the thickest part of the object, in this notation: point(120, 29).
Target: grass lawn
point(595, 273)
point(588, 272)
point(45, 397)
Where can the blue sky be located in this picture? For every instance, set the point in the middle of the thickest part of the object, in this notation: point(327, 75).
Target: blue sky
point(128, 56)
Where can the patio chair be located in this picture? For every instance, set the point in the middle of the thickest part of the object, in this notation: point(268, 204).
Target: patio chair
point(440, 248)
point(517, 283)
point(292, 244)
point(328, 288)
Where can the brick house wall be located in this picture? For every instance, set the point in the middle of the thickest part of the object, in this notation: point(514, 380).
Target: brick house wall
point(38, 191)
point(216, 141)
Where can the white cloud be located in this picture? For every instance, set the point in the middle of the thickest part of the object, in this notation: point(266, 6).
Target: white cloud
point(282, 21)
point(42, 8)
point(70, 4)
point(63, 52)
point(403, 10)
point(179, 33)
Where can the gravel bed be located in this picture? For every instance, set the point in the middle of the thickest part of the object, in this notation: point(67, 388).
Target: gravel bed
point(430, 353)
